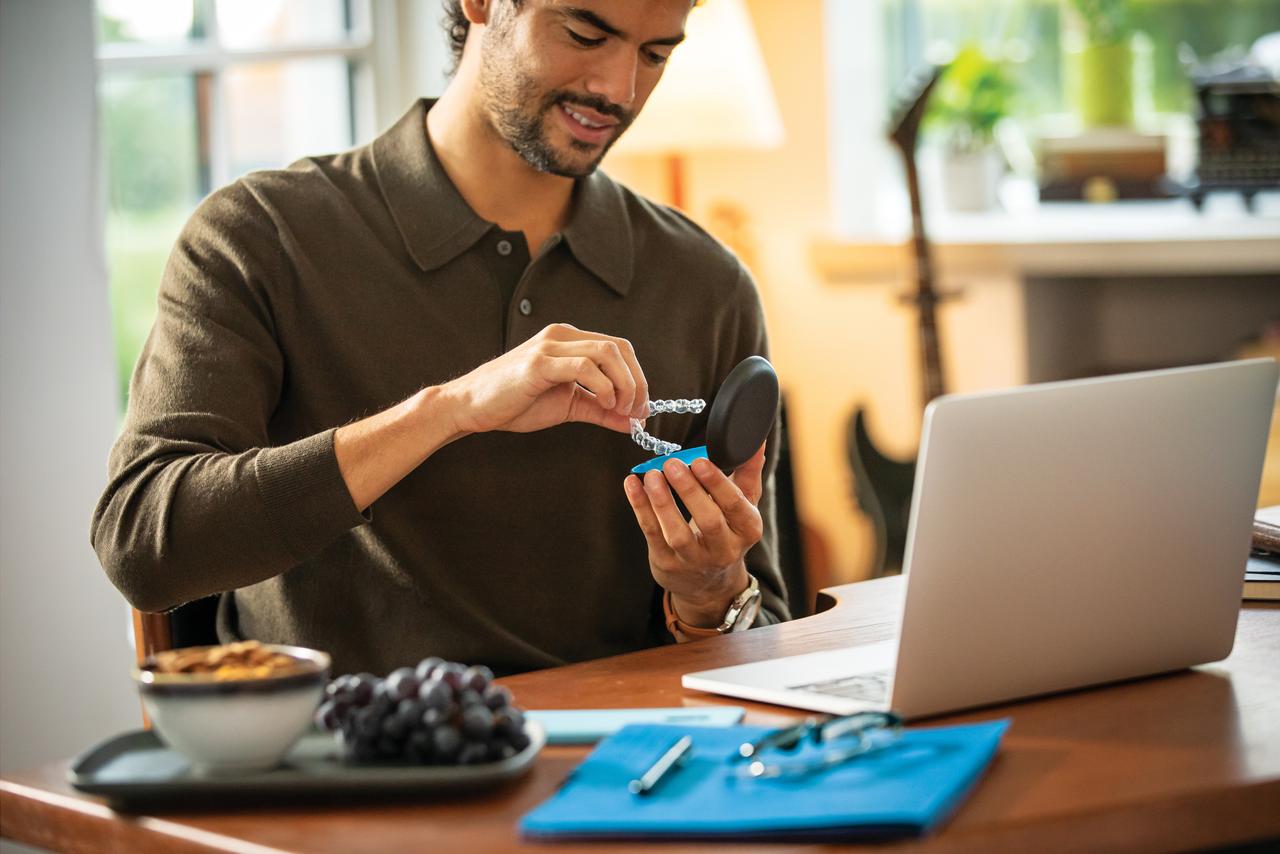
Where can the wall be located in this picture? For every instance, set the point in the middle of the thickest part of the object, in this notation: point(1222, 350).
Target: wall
point(1133, 323)
point(411, 60)
point(64, 654)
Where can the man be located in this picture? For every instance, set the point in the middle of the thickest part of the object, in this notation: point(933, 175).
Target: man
point(471, 280)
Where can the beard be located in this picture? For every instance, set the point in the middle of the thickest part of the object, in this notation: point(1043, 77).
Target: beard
point(520, 113)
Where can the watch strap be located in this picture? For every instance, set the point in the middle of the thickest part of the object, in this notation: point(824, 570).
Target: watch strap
point(742, 612)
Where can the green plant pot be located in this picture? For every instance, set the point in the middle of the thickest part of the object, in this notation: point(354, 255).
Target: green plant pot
point(1103, 76)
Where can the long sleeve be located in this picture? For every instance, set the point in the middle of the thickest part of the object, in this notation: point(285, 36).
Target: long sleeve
point(198, 502)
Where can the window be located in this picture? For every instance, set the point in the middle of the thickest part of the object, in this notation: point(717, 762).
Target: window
point(1029, 31)
point(875, 46)
point(194, 93)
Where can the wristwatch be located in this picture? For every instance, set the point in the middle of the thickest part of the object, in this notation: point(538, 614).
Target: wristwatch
point(741, 614)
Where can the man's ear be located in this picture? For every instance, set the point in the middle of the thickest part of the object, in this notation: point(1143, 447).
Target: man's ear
point(477, 11)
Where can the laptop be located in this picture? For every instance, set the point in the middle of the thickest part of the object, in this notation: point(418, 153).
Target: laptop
point(1061, 535)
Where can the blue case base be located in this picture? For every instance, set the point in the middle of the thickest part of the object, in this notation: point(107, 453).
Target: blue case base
point(687, 456)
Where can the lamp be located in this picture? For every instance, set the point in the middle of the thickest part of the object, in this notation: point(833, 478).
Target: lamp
point(714, 95)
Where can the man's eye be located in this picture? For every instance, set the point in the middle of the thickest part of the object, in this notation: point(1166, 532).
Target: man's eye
point(654, 58)
point(583, 40)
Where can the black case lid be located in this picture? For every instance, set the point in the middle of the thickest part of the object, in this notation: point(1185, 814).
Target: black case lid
point(742, 413)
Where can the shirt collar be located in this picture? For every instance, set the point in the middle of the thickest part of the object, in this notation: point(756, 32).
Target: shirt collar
point(437, 224)
point(599, 231)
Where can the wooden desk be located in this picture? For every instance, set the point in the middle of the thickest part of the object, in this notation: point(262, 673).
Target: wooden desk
point(1179, 762)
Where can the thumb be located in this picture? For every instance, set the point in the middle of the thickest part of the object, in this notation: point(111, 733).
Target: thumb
point(584, 407)
point(748, 476)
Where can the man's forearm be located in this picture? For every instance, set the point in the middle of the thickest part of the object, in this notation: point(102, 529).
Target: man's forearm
point(374, 454)
point(175, 523)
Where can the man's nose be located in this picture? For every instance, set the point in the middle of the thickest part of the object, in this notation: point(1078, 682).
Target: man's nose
point(614, 78)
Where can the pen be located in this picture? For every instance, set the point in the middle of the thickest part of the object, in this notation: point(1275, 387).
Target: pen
point(674, 757)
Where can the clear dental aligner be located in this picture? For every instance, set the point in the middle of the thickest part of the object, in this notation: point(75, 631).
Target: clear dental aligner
point(656, 407)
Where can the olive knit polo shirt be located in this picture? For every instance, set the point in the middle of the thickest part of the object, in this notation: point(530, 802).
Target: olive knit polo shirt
point(299, 300)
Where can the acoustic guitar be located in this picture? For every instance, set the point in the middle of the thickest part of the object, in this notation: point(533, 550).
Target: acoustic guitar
point(883, 485)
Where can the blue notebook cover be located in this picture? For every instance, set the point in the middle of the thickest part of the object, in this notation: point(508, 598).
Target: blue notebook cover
point(905, 789)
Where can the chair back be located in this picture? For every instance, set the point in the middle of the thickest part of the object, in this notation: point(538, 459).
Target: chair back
point(192, 624)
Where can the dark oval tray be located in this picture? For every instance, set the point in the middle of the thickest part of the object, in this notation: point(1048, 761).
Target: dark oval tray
point(136, 767)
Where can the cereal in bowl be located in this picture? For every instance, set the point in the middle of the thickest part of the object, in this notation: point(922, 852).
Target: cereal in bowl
point(243, 660)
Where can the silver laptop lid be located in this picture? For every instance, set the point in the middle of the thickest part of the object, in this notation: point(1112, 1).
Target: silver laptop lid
point(1080, 532)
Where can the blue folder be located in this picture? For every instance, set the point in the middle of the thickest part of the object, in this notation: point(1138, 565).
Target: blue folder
point(905, 789)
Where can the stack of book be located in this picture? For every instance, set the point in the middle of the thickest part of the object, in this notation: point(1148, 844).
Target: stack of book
point(1102, 165)
point(1262, 575)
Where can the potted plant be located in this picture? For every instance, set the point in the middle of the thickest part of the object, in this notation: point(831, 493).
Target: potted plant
point(973, 95)
point(1100, 50)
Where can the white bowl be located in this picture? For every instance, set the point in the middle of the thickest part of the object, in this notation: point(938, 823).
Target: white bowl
point(234, 725)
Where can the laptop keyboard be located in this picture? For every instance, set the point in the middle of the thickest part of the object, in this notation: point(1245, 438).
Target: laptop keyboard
point(870, 687)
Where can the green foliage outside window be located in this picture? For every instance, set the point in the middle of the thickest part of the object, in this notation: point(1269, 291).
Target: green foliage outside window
point(156, 125)
point(1029, 31)
point(1208, 26)
point(152, 183)
point(1105, 21)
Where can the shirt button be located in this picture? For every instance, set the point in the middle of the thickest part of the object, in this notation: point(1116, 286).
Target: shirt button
point(526, 307)
point(504, 247)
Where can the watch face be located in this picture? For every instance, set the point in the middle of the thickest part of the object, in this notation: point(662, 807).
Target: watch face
point(742, 612)
point(747, 615)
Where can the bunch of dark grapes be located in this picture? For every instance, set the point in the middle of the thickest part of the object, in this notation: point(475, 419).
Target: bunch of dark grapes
point(439, 713)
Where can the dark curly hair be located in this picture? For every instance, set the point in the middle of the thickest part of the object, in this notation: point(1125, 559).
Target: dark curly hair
point(457, 26)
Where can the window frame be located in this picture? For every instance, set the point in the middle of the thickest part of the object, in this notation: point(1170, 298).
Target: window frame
point(369, 51)
point(395, 51)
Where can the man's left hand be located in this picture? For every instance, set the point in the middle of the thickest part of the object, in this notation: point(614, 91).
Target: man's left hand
point(701, 561)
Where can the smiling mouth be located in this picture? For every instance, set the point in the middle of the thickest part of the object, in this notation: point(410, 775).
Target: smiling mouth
point(583, 120)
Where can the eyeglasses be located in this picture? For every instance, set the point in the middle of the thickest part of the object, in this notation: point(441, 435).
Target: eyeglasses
point(834, 742)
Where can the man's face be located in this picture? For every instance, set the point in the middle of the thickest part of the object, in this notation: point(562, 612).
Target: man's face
point(562, 79)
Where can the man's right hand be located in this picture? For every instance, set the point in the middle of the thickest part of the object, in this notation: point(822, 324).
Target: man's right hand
point(561, 374)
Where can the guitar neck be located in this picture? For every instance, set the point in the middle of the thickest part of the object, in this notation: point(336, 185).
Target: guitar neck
point(926, 297)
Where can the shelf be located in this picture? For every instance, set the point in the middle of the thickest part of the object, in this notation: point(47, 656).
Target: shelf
point(1077, 239)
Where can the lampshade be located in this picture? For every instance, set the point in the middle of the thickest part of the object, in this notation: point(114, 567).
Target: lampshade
point(714, 92)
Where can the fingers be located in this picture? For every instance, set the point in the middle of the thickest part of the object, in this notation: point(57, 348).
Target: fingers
point(640, 403)
point(615, 357)
point(659, 551)
point(725, 523)
point(577, 369)
point(676, 532)
point(737, 503)
point(608, 356)
point(718, 538)
point(585, 407)
point(559, 374)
